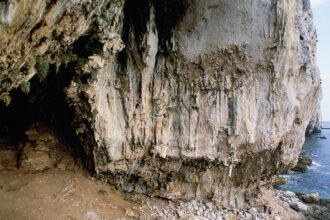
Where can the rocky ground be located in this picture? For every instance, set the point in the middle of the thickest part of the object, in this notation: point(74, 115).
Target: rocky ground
point(309, 204)
point(271, 208)
point(43, 187)
point(67, 194)
point(41, 179)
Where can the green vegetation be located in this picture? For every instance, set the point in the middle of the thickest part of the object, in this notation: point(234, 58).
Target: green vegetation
point(170, 52)
point(70, 218)
point(1, 187)
point(278, 180)
point(7, 100)
point(82, 61)
point(42, 67)
point(66, 56)
point(99, 52)
point(127, 198)
point(25, 87)
point(102, 192)
point(94, 113)
point(104, 14)
point(99, 176)
point(94, 74)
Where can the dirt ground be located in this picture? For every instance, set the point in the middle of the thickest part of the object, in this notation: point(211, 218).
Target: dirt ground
point(58, 194)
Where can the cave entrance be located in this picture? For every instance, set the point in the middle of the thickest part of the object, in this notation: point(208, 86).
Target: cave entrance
point(42, 105)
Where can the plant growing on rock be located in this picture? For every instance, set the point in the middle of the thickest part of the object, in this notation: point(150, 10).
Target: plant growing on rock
point(82, 61)
point(66, 56)
point(6, 100)
point(104, 14)
point(94, 74)
point(99, 52)
point(128, 198)
point(278, 180)
point(94, 113)
point(25, 87)
point(42, 68)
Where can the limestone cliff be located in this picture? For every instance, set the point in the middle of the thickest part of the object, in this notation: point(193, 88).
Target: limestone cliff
point(315, 123)
point(178, 99)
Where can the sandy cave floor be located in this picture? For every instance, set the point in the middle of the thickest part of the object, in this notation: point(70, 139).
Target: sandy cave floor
point(57, 194)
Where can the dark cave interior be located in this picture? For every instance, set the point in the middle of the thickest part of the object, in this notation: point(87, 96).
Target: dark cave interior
point(45, 104)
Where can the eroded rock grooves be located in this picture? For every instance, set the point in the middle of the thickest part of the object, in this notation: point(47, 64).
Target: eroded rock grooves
point(185, 99)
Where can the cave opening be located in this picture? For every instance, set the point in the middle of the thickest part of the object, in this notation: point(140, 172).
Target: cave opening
point(42, 104)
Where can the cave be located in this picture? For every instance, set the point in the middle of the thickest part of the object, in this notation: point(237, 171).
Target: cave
point(176, 100)
point(42, 103)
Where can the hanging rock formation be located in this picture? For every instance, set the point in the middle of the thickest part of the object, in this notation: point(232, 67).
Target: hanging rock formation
point(315, 124)
point(179, 99)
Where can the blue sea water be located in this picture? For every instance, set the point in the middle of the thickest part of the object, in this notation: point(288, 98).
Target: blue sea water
point(317, 178)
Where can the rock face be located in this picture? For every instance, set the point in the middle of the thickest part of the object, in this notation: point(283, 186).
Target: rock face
point(43, 151)
point(302, 164)
point(315, 124)
point(177, 99)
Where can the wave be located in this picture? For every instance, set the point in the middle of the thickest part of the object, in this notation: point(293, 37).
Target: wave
point(315, 165)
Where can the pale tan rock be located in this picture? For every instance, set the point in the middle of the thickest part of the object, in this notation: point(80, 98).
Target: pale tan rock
point(208, 106)
point(44, 151)
point(34, 160)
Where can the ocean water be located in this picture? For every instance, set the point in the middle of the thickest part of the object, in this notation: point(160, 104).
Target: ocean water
point(317, 178)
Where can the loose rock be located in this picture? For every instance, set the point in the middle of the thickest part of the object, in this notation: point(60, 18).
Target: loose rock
point(298, 206)
point(311, 198)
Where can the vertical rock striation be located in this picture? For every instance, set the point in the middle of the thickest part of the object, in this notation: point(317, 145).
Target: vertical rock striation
point(177, 99)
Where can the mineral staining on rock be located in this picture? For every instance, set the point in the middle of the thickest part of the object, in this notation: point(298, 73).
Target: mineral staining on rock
point(177, 99)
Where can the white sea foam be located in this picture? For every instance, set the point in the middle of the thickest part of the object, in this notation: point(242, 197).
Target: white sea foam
point(315, 165)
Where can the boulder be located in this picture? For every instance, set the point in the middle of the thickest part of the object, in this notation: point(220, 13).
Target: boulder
point(298, 206)
point(311, 197)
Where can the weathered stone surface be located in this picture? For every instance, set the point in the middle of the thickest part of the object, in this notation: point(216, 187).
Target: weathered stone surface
point(303, 163)
point(8, 159)
point(315, 124)
point(299, 206)
point(311, 197)
point(208, 99)
point(43, 151)
point(320, 209)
